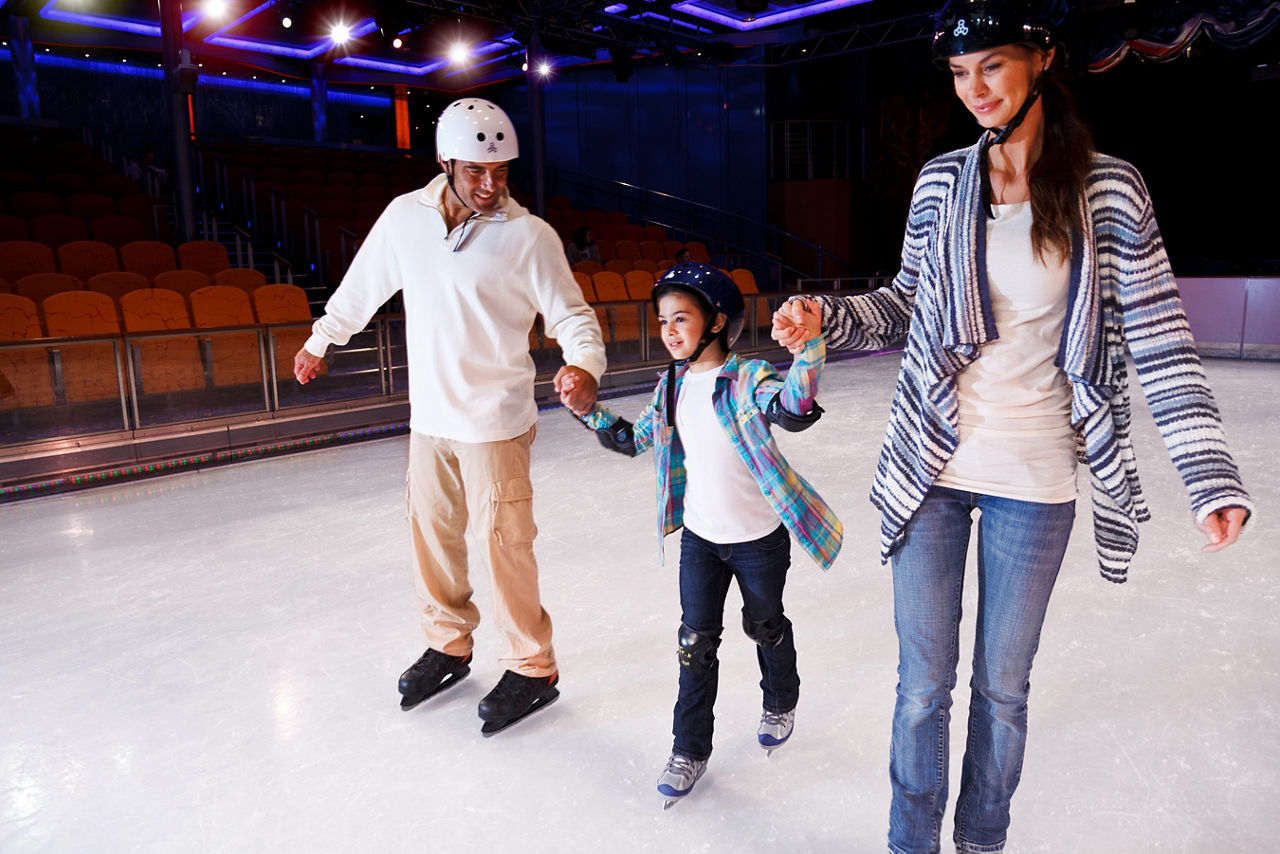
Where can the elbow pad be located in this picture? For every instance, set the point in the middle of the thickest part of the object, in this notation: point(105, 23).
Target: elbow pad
point(789, 421)
point(619, 437)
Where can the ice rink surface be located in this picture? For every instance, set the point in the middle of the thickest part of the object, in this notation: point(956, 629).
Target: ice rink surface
point(206, 662)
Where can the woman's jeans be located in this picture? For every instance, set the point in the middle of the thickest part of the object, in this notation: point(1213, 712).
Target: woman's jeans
point(1020, 548)
point(706, 568)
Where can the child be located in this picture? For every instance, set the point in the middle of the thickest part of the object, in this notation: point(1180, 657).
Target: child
point(722, 477)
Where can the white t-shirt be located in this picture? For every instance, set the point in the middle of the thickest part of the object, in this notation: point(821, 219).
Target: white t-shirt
point(1015, 434)
point(722, 502)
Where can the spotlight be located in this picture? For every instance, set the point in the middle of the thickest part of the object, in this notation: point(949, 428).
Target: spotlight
point(544, 68)
point(215, 8)
point(340, 33)
point(397, 42)
point(458, 53)
point(286, 22)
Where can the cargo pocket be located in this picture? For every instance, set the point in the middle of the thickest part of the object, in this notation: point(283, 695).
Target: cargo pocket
point(512, 508)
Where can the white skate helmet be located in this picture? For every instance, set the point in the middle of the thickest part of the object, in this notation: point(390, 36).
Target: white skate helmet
point(477, 130)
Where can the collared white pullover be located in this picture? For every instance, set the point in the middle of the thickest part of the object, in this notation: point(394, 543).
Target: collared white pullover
point(470, 299)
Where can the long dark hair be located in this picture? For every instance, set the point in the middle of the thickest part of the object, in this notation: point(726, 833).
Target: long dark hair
point(1058, 176)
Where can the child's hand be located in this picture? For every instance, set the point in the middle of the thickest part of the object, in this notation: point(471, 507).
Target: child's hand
point(577, 389)
point(795, 322)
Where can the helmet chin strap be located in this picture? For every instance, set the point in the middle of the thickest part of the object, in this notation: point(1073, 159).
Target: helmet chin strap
point(1001, 137)
point(448, 176)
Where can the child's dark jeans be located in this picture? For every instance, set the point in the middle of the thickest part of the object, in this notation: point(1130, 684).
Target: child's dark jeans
point(706, 568)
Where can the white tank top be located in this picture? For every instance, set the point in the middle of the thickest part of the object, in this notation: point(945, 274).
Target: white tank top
point(722, 502)
point(1015, 434)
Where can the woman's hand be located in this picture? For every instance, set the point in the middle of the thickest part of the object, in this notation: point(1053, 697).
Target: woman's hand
point(1222, 527)
point(795, 322)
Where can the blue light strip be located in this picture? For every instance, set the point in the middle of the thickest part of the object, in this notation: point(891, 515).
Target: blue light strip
point(50, 12)
point(766, 19)
point(363, 28)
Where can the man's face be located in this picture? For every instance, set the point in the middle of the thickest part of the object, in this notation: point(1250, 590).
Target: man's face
point(480, 185)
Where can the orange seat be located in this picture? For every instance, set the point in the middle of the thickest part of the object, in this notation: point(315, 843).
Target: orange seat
point(164, 364)
point(56, 229)
point(89, 370)
point(244, 278)
point(628, 250)
point(149, 258)
point(207, 256)
point(25, 378)
point(30, 204)
point(185, 282)
point(646, 265)
point(655, 232)
point(631, 232)
point(623, 322)
point(37, 286)
point(116, 285)
point(652, 250)
point(20, 258)
point(671, 248)
point(13, 228)
point(85, 259)
point(618, 266)
point(234, 358)
point(116, 229)
point(588, 267)
point(281, 303)
point(639, 284)
point(698, 251)
point(91, 205)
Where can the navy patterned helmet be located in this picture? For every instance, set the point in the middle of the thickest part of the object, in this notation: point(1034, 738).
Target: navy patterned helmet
point(714, 291)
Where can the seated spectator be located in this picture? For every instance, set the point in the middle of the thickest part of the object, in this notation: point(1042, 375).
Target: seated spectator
point(682, 256)
point(583, 246)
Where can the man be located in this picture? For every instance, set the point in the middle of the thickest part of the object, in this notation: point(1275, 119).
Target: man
point(475, 268)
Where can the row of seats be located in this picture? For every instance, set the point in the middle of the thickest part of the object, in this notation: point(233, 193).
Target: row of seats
point(85, 259)
point(47, 194)
point(80, 372)
point(645, 250)
point(56, 229)
point(37, 286)
point(622, 323)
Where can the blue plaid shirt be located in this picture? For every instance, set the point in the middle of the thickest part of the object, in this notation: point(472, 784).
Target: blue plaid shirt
point(743, 392)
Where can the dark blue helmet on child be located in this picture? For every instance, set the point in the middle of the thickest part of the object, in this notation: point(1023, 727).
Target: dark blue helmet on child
point(714, 291)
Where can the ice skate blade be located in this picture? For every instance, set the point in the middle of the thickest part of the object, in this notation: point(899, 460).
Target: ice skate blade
point(408, 702)
point(491, 728)
point(669, 803)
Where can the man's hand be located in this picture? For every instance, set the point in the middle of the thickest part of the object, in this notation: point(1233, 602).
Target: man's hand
point(306, 366)
point(577, 389)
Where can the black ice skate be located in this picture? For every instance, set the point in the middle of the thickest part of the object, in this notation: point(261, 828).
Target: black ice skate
point(515, 697)
point(430, 675)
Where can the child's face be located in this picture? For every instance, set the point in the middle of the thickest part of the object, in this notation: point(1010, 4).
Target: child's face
point(681, 323)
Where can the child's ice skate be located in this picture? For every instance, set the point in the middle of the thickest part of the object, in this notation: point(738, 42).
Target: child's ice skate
point(775, 729)
point(679, 776)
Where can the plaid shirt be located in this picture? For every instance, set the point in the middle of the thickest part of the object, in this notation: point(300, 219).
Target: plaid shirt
point(742, 394)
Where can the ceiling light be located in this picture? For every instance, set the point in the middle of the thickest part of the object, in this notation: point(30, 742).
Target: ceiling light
point(340, 34)
point(458, 53)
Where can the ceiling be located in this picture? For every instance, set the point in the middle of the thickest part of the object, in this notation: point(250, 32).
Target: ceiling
point(250, 37)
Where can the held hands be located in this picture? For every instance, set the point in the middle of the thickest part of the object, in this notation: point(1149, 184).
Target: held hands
point(796, 322)
point(306, 366)
point(1222, 527)
point(577, 389)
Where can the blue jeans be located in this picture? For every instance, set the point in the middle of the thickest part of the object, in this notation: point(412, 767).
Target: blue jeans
point(1020, 548)
point(706, 568)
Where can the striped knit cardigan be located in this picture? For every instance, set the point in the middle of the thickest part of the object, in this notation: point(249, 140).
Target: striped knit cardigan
point(1122, 291)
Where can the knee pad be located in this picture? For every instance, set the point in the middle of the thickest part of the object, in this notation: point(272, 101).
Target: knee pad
point(768, 633)
point(697, 651)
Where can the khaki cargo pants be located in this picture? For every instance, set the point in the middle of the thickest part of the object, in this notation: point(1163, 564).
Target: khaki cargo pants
point(453, 486)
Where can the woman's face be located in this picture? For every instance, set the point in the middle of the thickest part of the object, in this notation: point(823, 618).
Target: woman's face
point(993, 84)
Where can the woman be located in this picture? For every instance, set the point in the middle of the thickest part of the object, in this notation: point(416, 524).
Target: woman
point(1029, 263)
point(582, 247)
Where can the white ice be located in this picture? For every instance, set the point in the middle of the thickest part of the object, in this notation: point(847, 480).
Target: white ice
point(206, 662)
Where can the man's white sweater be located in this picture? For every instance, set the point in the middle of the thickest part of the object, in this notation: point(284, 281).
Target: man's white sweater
point(470, 299)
